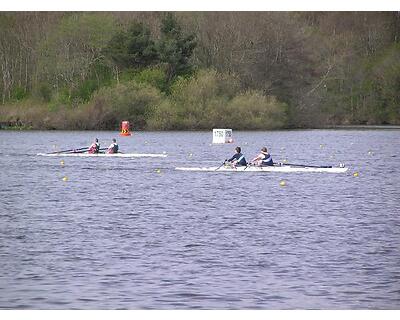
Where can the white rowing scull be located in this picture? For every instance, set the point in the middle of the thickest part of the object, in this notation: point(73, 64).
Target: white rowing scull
point(106, 155)
point(283, 168)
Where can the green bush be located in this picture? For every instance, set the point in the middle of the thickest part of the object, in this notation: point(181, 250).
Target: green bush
point(209, 99)
point(129, 101)
point(155, 77)
point(85, 90)
point(203, 86)
point(18, 94)
point(252, 110)
point(194, 101)
point(164, 117)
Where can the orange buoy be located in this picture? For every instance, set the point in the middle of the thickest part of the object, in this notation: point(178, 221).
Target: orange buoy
point(125, 129)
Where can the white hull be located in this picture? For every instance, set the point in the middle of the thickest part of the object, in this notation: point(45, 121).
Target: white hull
point(106, 155)
point(265, 169)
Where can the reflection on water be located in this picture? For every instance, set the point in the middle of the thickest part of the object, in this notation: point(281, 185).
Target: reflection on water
point(122, 234)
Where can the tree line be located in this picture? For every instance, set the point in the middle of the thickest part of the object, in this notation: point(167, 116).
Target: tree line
point(197, 70)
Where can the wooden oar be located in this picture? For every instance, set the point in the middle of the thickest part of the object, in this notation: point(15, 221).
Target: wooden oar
point(247, 165)
point(220, 165)
point(305, 165)
point(68, 150)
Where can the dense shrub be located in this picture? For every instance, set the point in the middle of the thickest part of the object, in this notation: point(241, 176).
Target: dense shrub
point(155, 77)
point(252, 110)
point(129, 101)
point(210, 99)
point(18, 94)
point(165, 117)
point(206, 100)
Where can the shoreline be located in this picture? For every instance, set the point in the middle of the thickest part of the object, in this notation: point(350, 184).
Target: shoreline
point(363, 127)
point(5, 127)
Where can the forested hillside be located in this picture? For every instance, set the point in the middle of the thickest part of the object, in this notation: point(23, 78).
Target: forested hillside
point(199, 70)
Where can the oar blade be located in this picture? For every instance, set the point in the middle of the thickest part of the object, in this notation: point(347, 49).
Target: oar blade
point(304, 165)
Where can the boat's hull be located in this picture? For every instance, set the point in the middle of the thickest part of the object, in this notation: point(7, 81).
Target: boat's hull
point(106, 155)
point(286, 169)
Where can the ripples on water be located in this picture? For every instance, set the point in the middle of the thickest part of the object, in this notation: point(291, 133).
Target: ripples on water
point(120, 235)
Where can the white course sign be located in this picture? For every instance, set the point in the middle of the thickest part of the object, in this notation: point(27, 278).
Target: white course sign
point(222, 136)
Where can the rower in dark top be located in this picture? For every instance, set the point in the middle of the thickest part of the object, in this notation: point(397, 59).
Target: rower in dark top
point(238, 158)
point(263, 159)
point(95, 147)
point(113, 148)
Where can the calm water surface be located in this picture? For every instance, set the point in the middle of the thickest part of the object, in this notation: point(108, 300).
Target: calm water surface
point(121, 234)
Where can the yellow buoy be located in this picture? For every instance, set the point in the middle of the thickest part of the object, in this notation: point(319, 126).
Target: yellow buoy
point(321, 146)
point(355, 174)
point(190, 154)
point(62, 162)
point(284, 160)
point(158, 171)
point(65, 179)
point(282, 183)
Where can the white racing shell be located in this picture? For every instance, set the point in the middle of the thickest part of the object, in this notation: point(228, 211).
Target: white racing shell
point(106, 155)
point(265, 169)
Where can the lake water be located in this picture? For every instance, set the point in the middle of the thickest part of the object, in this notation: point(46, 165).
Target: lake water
point(120, 234)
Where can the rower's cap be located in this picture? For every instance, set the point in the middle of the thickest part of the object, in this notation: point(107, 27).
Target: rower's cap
point(114, 140)
point(264, 149)
point(238, 149)
point(97, 140)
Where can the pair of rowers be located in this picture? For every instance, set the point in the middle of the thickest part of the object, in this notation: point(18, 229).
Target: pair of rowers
point(262, 160)
point(95, 147)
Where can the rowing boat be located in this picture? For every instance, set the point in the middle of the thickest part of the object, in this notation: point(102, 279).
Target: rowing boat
point(286, 169)
point(106, 155)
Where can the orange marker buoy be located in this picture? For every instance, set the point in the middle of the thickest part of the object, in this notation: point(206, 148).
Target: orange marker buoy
point(125, 129)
